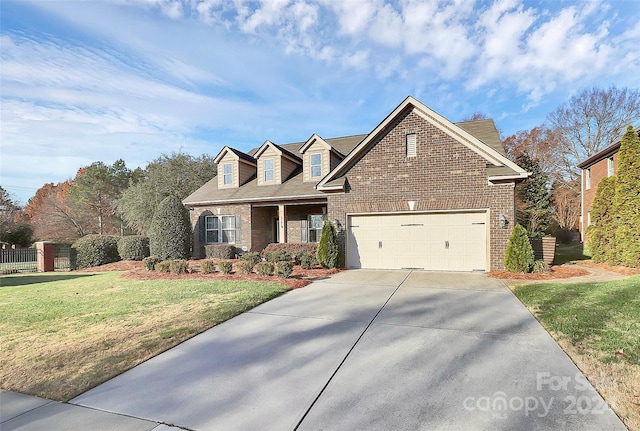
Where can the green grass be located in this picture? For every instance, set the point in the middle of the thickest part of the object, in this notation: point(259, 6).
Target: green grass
point(63, 333)
point(597, 317)
point(570, 252)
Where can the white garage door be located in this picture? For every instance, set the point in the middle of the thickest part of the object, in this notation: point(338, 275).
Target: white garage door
point(436, 241)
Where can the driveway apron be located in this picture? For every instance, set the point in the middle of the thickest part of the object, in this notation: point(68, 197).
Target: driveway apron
point(374, 350)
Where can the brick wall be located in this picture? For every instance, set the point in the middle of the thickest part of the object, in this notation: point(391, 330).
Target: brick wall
point(445, 175)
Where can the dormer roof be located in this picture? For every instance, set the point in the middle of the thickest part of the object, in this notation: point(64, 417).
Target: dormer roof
point(281, 151)
point(239, 155)
point(315, 138)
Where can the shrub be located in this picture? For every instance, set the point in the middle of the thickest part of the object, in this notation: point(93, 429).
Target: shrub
point(308, 260)
point(284, 269)
point(252, 256)
point(219, 251)
point(519, 255)
point(178, 266)
point(207, 266)
point(277, 256)
point(626, 201)
point(540, 267)
point(293, 248)
point(328, 254)
point(133, 247)
point(601, 233)
point(246, 266)
point(170, 232)
point(95, 250)
point(225, 267)
point(265, 268)
point(164, 266)
point(150, 262)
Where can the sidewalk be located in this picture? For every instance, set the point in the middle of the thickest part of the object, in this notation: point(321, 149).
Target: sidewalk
point(27, 413)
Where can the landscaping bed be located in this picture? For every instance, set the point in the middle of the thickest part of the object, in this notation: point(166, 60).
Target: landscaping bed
point(134, 270)
point(555, 272)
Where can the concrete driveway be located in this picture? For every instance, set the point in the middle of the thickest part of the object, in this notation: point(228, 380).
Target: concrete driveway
point(367, 350)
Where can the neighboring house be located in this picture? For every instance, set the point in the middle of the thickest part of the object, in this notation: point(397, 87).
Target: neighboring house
point(601, 165)
point(416, 192)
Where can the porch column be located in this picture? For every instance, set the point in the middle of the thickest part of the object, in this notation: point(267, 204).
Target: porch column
point(282, 223)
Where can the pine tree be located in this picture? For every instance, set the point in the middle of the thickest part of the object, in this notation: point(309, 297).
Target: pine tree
point(328, 253)
point(535, 210)
point(626, 203)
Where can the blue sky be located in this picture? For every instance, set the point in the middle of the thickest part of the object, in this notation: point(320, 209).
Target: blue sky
point(83, 81)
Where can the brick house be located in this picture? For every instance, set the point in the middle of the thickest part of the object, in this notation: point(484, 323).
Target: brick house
point(416, 192)
point(601, 165)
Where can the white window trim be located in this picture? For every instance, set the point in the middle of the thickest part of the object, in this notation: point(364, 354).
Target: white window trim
point(227, 175)
point(310, 228)
point(315, 165)
point(587, 178)
point(272, 170)
point(218, 229)
point(610, 167)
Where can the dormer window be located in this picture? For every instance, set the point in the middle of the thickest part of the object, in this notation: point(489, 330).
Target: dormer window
point(316, 165)
point(228, 174)
point(268, 170)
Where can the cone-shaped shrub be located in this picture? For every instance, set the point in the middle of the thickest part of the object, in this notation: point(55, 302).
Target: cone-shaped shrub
point(519, 255)
point(626, 202)
point(170, 230)
point(601, 233)
point(328, 254)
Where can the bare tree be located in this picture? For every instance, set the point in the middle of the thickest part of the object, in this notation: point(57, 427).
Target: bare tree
point(591, 121)
point(566, 198)
point(540, 143)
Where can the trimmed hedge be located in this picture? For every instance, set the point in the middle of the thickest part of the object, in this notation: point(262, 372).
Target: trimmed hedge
point(264, 268)
point(225, 267)
point(133, 247)
point(170, 234)
point(246, 266)
point(284, 269)
point(150, 262)
point(308, 260)
point(207, 266)
point(219, 251)
point(164, 266)
point(277, 256)
point(293, 248)
point(178, 266)
point(252, 256)
point(96, 250)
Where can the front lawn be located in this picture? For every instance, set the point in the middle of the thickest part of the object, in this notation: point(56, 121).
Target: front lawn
point(598, 325)
point(570, 253)
point(64, 333)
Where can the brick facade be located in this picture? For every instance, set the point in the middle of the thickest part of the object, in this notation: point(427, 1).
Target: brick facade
point(598, 171)
point(445, 175)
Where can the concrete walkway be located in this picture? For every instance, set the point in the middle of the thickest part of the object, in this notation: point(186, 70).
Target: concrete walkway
point(374, 350)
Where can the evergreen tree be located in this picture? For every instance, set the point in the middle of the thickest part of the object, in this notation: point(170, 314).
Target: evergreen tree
point(626, 203)
point(535, 211)
point(601, 233)
point(519, 255)
point(170, 230)
point(328, 253)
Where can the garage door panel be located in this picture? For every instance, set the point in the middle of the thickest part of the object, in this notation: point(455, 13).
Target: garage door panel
point(418, 241)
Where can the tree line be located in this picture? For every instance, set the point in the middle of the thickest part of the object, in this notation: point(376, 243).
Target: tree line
point(103, 199)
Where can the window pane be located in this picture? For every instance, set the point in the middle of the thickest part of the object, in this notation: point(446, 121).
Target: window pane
point(228, 168)
point(268, 164)
point(316, 159)
point(228, 222)
point(315, 221)
point(316, 165)
point(211, 236)
point(209, 222)
point(316, 171)
point(228, 236)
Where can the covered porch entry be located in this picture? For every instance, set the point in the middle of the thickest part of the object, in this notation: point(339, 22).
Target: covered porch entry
point(286, 222)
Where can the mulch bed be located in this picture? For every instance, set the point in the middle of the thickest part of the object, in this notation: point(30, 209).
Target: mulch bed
point(561, 271)
point(618, 269)
point(135, 271)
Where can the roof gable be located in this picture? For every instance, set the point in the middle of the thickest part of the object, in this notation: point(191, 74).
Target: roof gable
point(278, 149)
point(238, 155)
point(458, 133)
